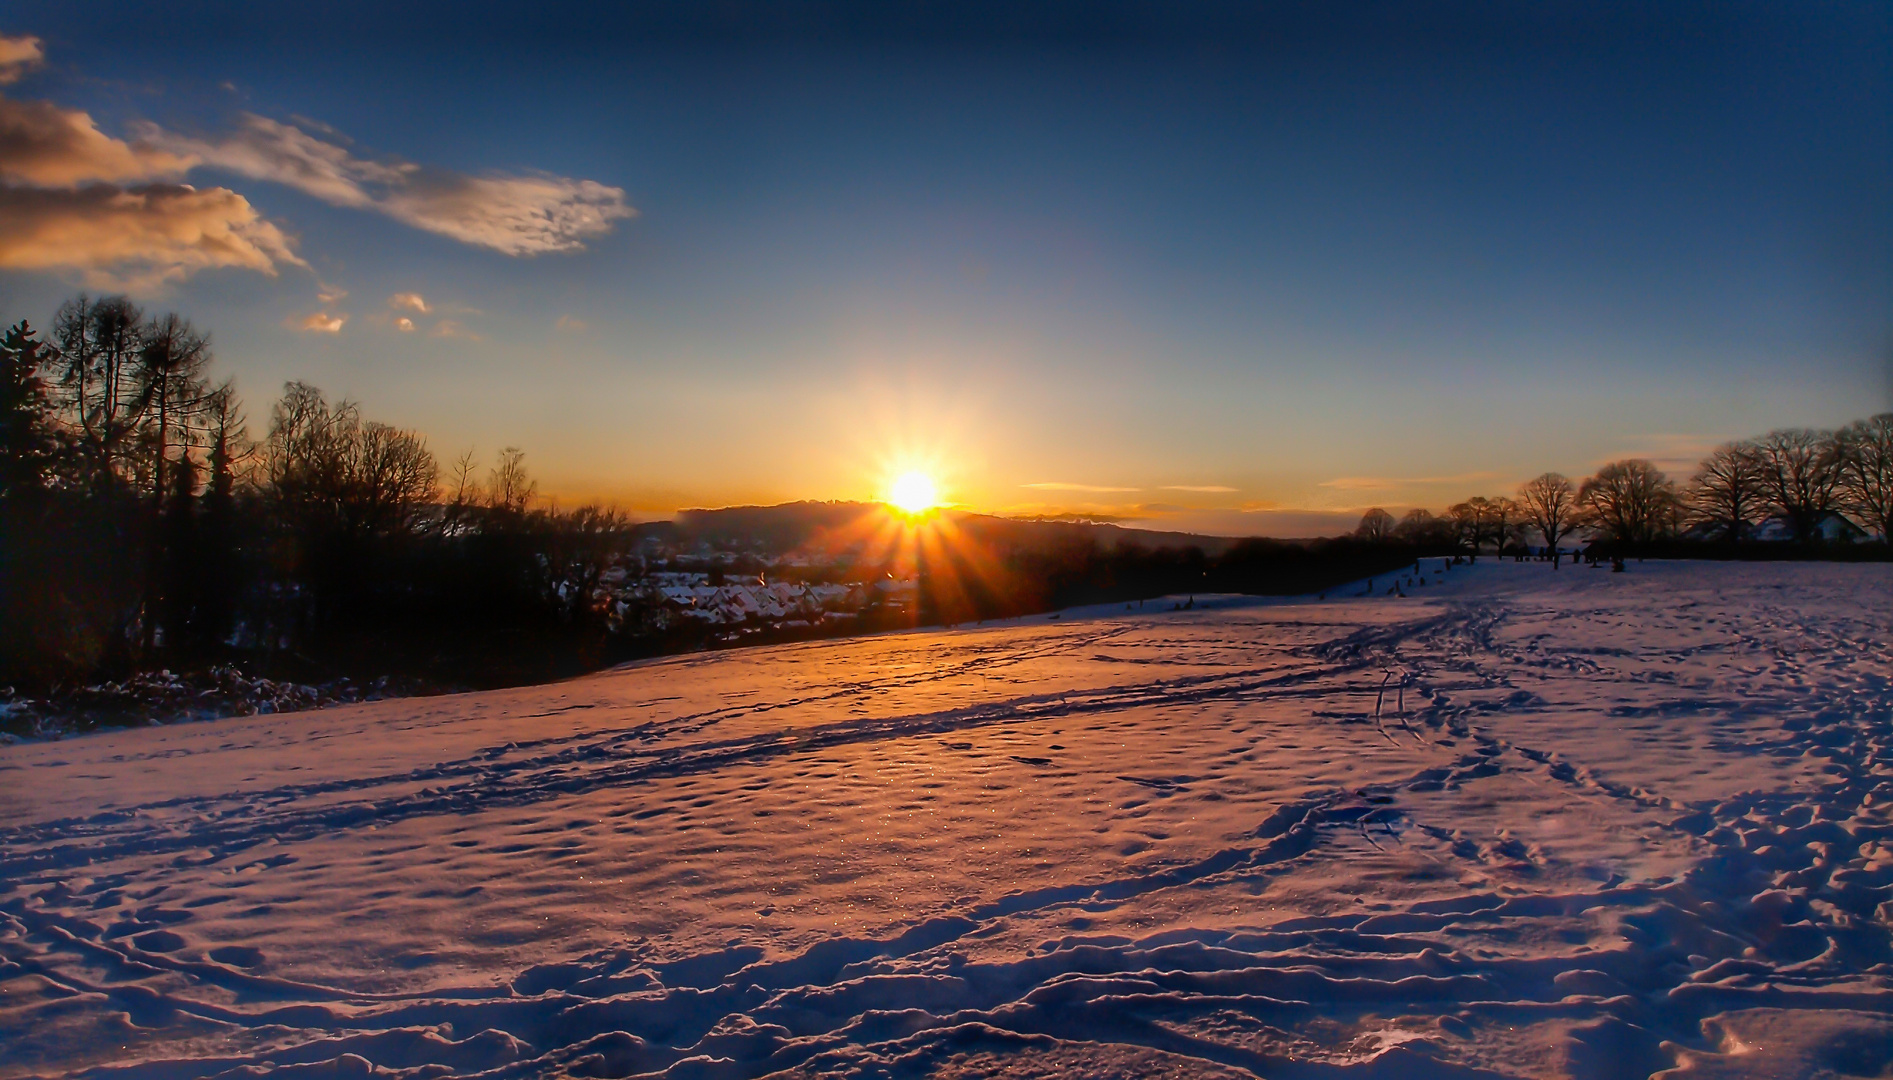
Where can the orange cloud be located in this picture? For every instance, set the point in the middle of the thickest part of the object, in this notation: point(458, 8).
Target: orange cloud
point(1386, 483)
point(1206, 488)
point(41, 143)
point(404, 324)
point(137, 237)
point(1059, 485)
point(408, 301)
point(322, 322)
point(18, 55)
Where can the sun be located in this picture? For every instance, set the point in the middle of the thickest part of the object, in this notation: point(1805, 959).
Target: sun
point(914, 493)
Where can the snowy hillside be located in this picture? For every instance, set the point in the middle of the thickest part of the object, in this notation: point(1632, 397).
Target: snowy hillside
point(1625, 823)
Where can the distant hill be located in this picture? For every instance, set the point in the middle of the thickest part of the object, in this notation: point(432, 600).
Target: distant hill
point(839, 526)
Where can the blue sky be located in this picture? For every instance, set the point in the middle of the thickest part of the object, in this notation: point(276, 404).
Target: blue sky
point(1223, 268)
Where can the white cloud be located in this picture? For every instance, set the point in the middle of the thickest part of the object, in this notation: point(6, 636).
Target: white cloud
point(514, 214)
point(137, 237)
point(19, 55)
point(404, 324)
point(323, 322)
point(408, 301)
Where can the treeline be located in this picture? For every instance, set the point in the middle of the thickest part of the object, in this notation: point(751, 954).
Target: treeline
point(1081, 571)
point(1791, 493)
point(143, 524)
point(146, 522)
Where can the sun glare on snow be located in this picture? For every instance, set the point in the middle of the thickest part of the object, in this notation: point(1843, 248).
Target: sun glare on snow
point(914, 492)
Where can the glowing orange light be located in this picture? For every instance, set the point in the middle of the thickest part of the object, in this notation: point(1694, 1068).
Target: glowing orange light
point(914, 493)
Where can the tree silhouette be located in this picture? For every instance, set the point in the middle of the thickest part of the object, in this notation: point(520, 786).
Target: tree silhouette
point(1630, 501)
point(1376, 526)
point(1479, 519)
point(1727, 491)
point(29, 438)
point(1419, 526)
point(1548, 503)
point(171, 362)
point(1800, 469)
point(1866, 478)
point(99, 343)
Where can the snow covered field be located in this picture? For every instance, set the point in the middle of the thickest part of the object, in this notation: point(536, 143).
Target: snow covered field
point(1627, 823)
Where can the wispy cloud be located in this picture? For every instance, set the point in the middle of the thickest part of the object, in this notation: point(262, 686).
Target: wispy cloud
point(19, 55)
point(322, 322)
point(404, 324)
point(77, 198)
point(1387, 483)
point(1674, 453)
point(408, 301)
point(1059, 485)
point(571, 325)
point(448, 328)
point(138, 237)
point(329, 294)
point(517, 214)
point(1207, 488)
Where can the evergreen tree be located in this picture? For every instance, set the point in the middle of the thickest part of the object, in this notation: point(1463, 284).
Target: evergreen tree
point(29, 437)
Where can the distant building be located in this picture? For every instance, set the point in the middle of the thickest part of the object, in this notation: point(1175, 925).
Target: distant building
point(1778, 529)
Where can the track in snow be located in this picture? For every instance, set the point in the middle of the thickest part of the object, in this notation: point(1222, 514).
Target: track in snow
point(1624, 823)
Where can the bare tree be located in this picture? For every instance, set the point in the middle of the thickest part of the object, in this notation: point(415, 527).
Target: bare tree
point(1800, 470)
point(465, 487)
point(1548, 504)
point(1376, 526)
point(579, 547)
point(1866, 481)
point(1727, 491)
point(334, 471)
point(1479, 519)
point(393, 476)
point(1630, 501)
point(172, 362)
point(99, 343)
point(509, 489)
point(1418, 525)
point(306, 457)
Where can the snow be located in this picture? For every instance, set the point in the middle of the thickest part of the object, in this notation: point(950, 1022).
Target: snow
point(1626, 823)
